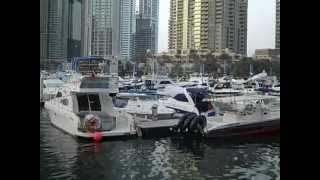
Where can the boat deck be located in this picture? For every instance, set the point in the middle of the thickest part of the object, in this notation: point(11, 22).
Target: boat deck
point(157, 123)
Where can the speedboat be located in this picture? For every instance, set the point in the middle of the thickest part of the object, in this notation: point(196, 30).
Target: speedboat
point(252, 120)
point(156, 81)
point(129, 84)
point(201, 115)
point(224, 89)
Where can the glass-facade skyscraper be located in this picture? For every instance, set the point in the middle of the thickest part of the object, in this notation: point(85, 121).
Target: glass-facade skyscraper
point(208, 25)
point(150, 9)
point(278, 24)
point(64, 30)
point(105, 28)
point(113, 28)
point(127, 28)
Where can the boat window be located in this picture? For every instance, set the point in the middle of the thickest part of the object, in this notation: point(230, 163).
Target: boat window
point(219, 86)
point(227, 85)
point(181, 97)
point(84, 100)
point(94, 102)
point(165, 82)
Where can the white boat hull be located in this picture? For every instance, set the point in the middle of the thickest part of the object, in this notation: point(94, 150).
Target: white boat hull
point(68, 122)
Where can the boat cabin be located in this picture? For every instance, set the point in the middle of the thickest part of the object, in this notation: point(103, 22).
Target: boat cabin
point(94, 97)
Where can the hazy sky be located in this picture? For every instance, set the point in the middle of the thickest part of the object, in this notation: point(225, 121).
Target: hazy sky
point(261, 24)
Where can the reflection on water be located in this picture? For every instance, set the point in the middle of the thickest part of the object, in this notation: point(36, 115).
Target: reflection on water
point(63, 157)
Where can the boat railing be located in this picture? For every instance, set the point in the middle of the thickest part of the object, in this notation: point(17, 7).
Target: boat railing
point(57, 102)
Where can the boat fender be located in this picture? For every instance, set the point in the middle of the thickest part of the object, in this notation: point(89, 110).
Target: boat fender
point(92, 123)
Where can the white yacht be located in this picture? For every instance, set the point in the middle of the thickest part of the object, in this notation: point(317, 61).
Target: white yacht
point(89, 108)
point(157, 81)
point(51, 88)
point(144, 105)
point(224, 89)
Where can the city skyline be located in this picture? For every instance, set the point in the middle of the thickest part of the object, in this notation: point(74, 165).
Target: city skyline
point(208, 25)
point(261, 25)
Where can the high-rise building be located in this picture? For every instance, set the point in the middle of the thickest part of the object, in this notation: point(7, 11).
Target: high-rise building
point(143, 37)
point(278, 24)
point(86, 27)
point(68, 29)
point(127, 28)
point(113, 28)
point(43, 30)
point(105, 28)
point(72, 27)
point(208, 25)
point(150, 9)
point(55, 31)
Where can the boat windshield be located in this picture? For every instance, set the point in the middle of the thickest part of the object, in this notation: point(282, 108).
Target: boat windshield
point(101, 82)
point(181, 97)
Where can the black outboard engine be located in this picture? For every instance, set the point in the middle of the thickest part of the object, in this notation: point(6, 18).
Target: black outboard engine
point(59, 94)
point(191, 124)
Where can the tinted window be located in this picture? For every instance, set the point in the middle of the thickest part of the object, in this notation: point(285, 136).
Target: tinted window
point(227, 85)
point(211, 84)
point(83, 103)
point(181, 97)
point(94, 102)
point(84, 100)
point(165, 82)
point(95, 83)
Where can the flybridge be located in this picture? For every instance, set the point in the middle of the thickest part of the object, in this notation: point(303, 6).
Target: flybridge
point(96, 64)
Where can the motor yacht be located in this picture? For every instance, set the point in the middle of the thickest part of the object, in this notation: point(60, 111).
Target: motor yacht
point(88, 107)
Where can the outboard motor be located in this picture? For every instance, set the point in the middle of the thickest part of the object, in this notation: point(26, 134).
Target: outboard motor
point(59, 94)
point(191, 124)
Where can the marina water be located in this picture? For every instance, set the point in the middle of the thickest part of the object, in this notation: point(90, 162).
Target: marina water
point(63, 157)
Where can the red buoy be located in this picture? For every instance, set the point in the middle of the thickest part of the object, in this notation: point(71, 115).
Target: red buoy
point(97, 136)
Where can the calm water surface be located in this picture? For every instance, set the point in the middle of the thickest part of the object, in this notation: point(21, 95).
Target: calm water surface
point(62, 157)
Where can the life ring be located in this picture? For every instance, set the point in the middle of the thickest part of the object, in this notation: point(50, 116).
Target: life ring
point(92, 123)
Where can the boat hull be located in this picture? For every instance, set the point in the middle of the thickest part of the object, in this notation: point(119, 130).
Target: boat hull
point(248, 129)
point(157, 128)
point(68, 123)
